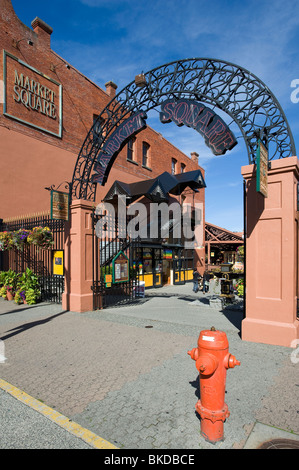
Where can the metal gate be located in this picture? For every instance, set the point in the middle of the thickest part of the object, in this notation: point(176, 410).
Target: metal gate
point(107, 245)
point(40, 261)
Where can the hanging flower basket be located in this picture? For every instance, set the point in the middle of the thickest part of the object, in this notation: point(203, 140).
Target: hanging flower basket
point(41, 237)
point(38, 236)
point(19, 238)
point(6, 242)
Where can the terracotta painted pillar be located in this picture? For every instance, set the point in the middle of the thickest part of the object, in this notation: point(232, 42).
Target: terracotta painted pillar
point(272, 256)
point(78, 259)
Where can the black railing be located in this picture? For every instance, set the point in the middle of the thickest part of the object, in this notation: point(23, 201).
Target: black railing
point(39, 260)
point(105, 248)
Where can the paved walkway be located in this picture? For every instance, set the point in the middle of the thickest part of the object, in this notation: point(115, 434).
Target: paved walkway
point(121, 377)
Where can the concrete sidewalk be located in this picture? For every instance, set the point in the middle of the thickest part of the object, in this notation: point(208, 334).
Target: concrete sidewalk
point(121, 377)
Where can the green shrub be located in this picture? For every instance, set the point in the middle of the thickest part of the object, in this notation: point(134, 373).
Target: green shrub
point(23, 285)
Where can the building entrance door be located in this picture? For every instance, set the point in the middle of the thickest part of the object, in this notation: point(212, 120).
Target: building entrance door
point(178, 271)
point(157, 268)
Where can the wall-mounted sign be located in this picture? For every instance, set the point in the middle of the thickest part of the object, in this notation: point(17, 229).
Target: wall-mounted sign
point(58, 263)
point(60, 203)
point(31, 97)
point(120, 268)
point(114, 144)
point(215, 131)
point(262, 169)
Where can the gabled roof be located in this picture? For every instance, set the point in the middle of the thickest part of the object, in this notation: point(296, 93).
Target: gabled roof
point(215, 234)
point(159, 188)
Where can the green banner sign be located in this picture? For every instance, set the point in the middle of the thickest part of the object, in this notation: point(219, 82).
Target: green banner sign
point(262, 169)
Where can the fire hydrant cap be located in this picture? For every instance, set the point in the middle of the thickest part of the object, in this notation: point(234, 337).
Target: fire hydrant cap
point(211, 339)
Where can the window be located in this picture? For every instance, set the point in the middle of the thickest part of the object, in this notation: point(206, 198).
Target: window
point(173, 166)
point(131, 149)
point(183, 167)
point(145, 154)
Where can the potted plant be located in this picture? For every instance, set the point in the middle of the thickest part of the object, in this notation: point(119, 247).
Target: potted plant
point(31, 296)
point(3, 292)
point(28, 287)
point(240, 287)
point(10, 280)
point(2, 278)
point(9, 293)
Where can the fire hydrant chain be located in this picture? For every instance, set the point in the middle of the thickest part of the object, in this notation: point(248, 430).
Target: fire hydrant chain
point(212, 360)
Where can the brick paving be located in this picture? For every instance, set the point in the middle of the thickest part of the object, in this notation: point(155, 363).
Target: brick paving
point(124, 373)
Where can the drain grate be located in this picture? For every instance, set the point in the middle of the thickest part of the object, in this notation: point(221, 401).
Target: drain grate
point(280, 444)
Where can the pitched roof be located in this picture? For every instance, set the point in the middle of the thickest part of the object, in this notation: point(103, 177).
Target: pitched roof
point(157, 189)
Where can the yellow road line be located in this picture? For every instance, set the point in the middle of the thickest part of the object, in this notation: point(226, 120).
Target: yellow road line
point(57, 418)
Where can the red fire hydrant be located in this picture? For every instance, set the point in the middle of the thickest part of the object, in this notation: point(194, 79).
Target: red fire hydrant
point(212, 361)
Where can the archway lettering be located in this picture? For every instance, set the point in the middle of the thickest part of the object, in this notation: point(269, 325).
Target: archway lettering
point(222, 85)
point(218, 136)
point(113, 145)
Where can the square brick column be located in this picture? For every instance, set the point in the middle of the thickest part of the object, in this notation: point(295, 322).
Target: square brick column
point(272, 256)
point(78, 259)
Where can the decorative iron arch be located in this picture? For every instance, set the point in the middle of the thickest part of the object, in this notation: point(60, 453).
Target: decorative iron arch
point(226, 86)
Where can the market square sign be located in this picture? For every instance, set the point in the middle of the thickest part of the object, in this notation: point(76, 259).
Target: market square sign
point(218, 136)
point(31, 97)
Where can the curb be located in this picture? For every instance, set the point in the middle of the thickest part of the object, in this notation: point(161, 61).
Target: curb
point(62, 421)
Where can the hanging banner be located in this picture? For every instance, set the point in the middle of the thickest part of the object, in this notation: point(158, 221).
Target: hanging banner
point(262, 169)
point(60, 205)
point(167, 253)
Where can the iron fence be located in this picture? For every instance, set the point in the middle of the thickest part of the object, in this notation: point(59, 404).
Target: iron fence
point(105, 292)
point(40, 261)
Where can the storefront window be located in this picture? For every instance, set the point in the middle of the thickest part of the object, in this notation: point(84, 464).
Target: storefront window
point(147, 261)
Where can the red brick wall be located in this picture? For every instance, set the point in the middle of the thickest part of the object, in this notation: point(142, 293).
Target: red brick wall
point(32, 159)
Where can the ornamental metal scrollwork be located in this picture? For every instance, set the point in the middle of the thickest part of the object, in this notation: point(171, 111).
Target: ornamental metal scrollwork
point(228, 87)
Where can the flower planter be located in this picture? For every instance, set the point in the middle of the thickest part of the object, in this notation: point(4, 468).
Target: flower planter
point(9, 295)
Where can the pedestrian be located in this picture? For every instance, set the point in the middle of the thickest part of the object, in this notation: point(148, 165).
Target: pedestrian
point(206, 282)
point(195, 280)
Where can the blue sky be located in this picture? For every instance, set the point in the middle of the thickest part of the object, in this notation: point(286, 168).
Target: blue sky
point(118, 39)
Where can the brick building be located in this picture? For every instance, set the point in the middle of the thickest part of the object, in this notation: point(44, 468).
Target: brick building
point(47, 108)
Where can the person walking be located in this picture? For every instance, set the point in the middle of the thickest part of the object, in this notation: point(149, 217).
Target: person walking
point(206, 282)
point(195, 280)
